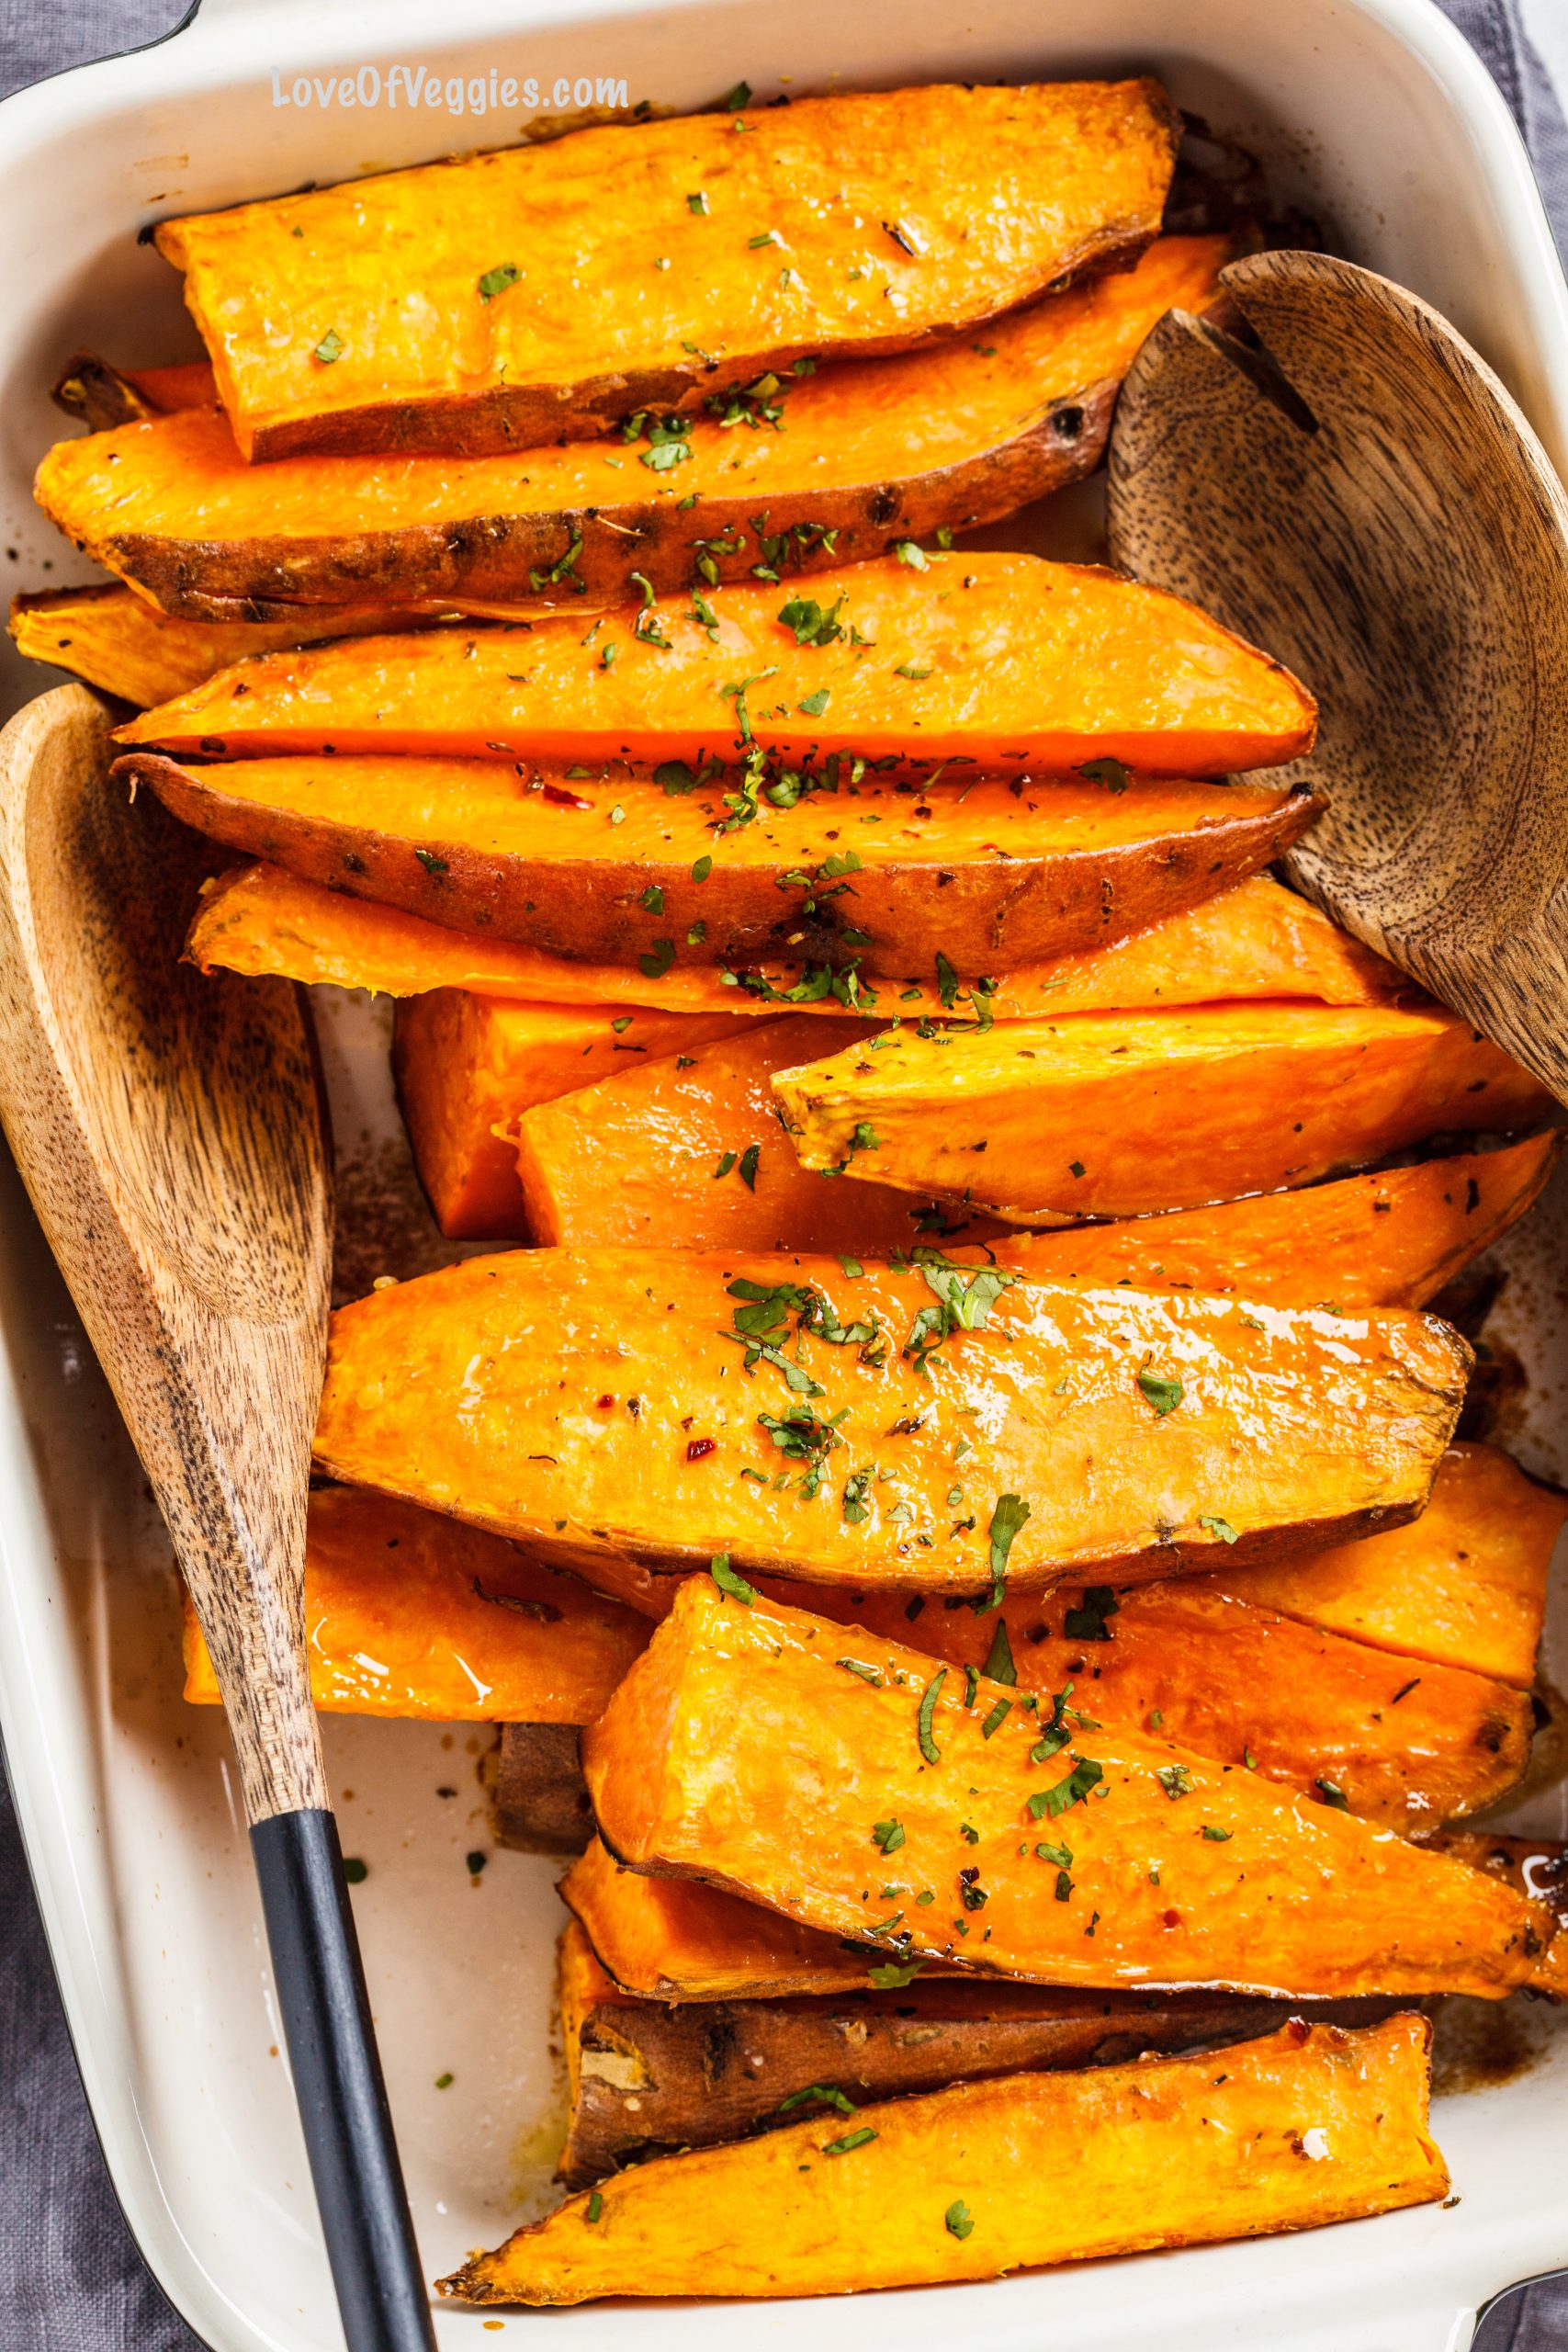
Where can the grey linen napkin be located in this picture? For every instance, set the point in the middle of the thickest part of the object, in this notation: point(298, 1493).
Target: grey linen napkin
point(71, 2278)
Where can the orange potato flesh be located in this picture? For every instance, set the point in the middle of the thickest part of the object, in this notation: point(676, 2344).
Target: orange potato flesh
point(1389, 1239)
point(1116, 1114)
point(591, 1402)
point(740, 1751)
point(1463, 1585)
point(616, 872)
point(870, 453)
point(852, 224)
point(119, 642)
point(465, 1063)
point(1255, 939)
point(1029, 666)
point(406, 1614)
point(1166, 2152)
point(639, 1158)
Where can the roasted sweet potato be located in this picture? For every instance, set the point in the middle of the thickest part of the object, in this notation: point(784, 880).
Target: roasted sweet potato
point(1256, 939)
point(116, 641)
point(616, 872)
point(865, 455)
point(1464, 1585)
point(675, 1940)
point(686, 1154)
point(600, 1401)
point(1389, 1239)
point(103, 396)
point(1163, 2152)
point(645, 2078)
point(719, 249)
point(538, 1798)
point(769, 1753)
point(1116, 1114)
point(465, 1063)
point(408, 1615)
point(1001, 660)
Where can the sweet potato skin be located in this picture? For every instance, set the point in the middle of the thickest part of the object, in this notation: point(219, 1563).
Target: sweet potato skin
point(1022, 666)
point(685, 1154)
point(1392, 1238)
point(1256, 939)
point(870, 453)
point(598, 1388)
point(734, 1712)
point(612, 871)
point(646, 2077)
point(1464, 1585)
point(103, 396)
point(1173, 2151)
point(411, 1615)
point(538, 1798)
point(465, 1064)
point(1015, 190)
point(1119, 1114)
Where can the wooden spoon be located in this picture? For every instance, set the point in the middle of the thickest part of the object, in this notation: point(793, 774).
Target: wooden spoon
point(168, 1129)
point(1363, 497)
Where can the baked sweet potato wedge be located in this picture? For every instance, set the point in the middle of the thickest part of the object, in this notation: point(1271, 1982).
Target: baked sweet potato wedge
point(842, 465)
point(719, 249)
point(1116, 1114)
point(1463, 1585)
point(116, 641)
point(464, 1065)
point(646, 2077)
point(1389, 1239)
point(805, 1420)
point(1170, 2151)
point(764, 1752)
point(685, 1153)
point(1005, 661)
point(409, 1614)
point(103, 396)
point(1255, 939)
point(619, 871)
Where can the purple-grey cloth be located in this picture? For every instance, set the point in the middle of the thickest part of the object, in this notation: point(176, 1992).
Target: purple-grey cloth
point(71, 2279)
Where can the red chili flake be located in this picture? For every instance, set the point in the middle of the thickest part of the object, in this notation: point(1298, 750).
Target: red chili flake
point(561, 799)
point(700, 1448)
point(606, 1403)
point(1173, 1919)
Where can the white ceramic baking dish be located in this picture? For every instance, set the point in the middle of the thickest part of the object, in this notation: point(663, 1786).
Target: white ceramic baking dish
point(1373, 115)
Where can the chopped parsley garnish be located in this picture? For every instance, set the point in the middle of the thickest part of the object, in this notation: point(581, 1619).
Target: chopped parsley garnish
point(657, 960)
point(801, 1437)
point(1217, 1526)
point(929, 1747)
point(1061, 1855)
point(811, 624)
point(1162, 1394)
point(999, 1666)
point(702, 869)
point(1332, 1794)
point(1175, 1779)
point(1218, 1837)
point(329, 348)
point(1050, 1802)
point(595, 2205)
point(958, 2219)
point(997, 1717)
point(851, 2140)
point(1113, 773)
point(431, 862)
point(887, 1836)
point(674, 775)
point(354, 1871)
point(814, 705)
point(1087, 1622)
point(652, 900)
point(725, 1576)
point(1007, 1517)
point(697, 201)
point(496, 281)
point(857, 1666)
point(748, 1159)
point(828, 2093)
point(908, 551)
point(892, 1975)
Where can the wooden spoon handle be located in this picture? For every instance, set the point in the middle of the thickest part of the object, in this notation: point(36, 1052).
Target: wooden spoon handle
point(337, 2081)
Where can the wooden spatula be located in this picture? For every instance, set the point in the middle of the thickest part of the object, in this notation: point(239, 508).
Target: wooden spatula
point(168, 1129)
point(1356, 490)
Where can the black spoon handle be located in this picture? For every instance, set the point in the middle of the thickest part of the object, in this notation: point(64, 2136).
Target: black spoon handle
point(337, 2080)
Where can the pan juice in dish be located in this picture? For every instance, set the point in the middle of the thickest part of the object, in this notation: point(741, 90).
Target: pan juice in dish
point(927, 1429)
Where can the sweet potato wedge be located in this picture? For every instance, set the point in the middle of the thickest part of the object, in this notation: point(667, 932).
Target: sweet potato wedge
point(755, 1748)
point(1389, 1239)
point(600, 1401)
point(613, 872)
point(1254, 940)
point(1168, 2151)
point(538, 1798)
point(729, 248)
point(863, 455)
point(1463, 1585)
point(116, 641)
point(686, 1154)
point(465, 1064)
point(1005, 661)
point(408, 1615)
point(645, 2078)
point(104, 396)
point(1116, 1114)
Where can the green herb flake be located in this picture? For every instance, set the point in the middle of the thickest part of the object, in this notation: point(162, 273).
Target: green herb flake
point(1113, 773)
point(729, 1582)
point(1217, 1526)
point(997, 1717)
point(1332, 1794)
point(1049, 1804)
point(929, 1747)
point(908, 551)
point(829, 2094)
point(892, 1975)
point(851, 2140)
point(912, 670)
point(725, 1165)
point(1088, 1621)
point(673, 776)
point(1216, 1837)
point(329, 348)
point(595, 2205)
point(1249, 1761)
point(999, 1666)
point(657, 960)
point(476, 1863)
point(431, 862)
point(1061, 1855)
point(354, 1871)
point(697, 201)
point(886, 1835)
point(444, 2082)
point(749, 1158)
point(496, 281)
point(814, 705)
point(1175, 1779)
point(958, 2219)
point(1009, 1517)
point(702, 869)
point(652, 899)
point(1163, 1394)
